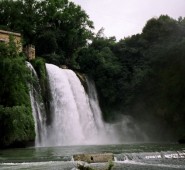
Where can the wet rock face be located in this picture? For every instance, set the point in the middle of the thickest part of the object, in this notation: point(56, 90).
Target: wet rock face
point(93, 158)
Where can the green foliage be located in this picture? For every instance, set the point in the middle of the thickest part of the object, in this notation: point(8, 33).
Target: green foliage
point(99, 62)
point(9, 50)
point(159, 95)
point(46, 43)
point(163, 86)
point(13, 82)
point(40, 68)
point(110, 166)
point(141, 75)
point(3, 50)
point(83, 167)
point(160, 28)
point(14, 76)
point(17, 125)
point(58, 28)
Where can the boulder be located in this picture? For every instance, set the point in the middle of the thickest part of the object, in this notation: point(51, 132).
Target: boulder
point(94, 158)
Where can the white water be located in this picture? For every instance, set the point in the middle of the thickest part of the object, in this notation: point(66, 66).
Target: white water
point(73, 121)
point(75, 116)
point(94, 104)
point(37, 107)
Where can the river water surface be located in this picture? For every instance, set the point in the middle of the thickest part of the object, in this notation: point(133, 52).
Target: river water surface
point(126, 157)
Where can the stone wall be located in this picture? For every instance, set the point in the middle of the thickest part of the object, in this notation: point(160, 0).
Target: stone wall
point(30, 52)
point(5, 37)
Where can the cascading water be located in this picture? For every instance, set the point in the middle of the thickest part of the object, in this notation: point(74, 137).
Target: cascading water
point(75, 116)
point(37, 107)
point(73, 121)
point(94, 104)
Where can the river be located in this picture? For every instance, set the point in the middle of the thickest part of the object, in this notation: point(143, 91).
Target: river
point(126, 156)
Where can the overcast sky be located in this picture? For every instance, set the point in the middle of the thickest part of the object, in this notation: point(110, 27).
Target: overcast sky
point(122, 18)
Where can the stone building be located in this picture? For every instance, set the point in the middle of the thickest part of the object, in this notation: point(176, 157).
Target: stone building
point(5, 37)
point(29, 50)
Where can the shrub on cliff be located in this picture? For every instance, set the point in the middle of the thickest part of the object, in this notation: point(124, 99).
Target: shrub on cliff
point(17, 125)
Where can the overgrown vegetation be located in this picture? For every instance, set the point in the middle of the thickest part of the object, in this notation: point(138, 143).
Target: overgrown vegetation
point(17, 125)
point(40, 68)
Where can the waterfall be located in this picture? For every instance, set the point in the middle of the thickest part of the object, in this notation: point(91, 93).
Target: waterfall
point(37, 105)
point(76, 119)
point(94, 104)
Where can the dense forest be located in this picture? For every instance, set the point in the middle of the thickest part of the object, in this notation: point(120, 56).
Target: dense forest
point(141, 75)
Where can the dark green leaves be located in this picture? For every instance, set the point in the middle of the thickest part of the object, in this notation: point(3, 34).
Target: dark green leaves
point(16, 125)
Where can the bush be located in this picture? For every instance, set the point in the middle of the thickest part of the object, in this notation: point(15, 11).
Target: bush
point(17, 125)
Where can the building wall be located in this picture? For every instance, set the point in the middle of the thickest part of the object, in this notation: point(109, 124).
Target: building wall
point(5, 37)
point(30, 52)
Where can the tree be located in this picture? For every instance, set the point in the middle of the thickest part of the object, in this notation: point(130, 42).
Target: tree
point(39, 20)
point(75, 29)
point(159, 28)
